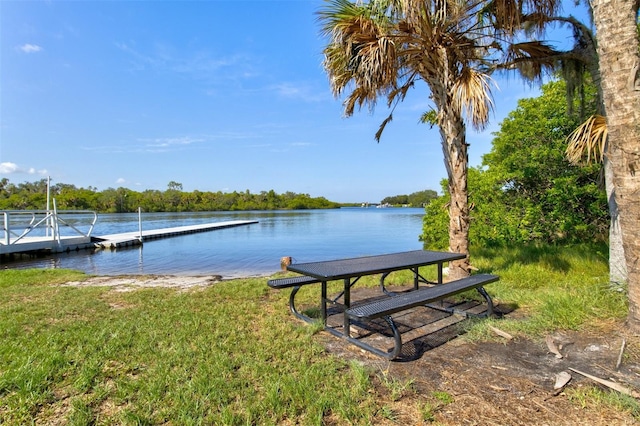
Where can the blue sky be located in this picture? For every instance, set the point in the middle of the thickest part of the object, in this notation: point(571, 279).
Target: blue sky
point(216, 95)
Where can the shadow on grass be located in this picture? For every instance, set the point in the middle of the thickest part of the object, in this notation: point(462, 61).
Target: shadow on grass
point(555, 258)
point(423, 328)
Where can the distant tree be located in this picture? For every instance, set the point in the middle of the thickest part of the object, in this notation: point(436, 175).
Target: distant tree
point(4, 187)
point(37, 187)
point(72, 198)
point(416, 199)
point(174, 186)
point(173, 197)
point(422, 198)
point(152, 200)
point(396, 200)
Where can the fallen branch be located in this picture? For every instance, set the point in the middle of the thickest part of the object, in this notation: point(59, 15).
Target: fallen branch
point(608, 383)
point(624, 342)
point(501, 333)
point(499, 388)
point(546, 408)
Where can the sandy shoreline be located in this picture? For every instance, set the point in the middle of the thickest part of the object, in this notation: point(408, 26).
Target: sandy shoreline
point(131, 282)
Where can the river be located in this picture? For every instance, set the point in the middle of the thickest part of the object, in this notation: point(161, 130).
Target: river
point(251, 250)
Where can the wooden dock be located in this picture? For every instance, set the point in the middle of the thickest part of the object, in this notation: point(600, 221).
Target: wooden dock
point(112, 241)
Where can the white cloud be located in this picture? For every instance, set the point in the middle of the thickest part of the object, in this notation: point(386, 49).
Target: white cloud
point(202, 65)
point(121, 180)
point(301, 91)
point(8, 168)
point(167, 142)
point(30, 48)
point(288, 90)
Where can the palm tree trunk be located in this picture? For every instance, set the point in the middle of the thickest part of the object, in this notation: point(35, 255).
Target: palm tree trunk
point(617, 262)
point(619, 61)
point(454, 147)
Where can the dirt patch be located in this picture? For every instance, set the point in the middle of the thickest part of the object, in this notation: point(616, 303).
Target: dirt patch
point(510, 383)
point(507, 381)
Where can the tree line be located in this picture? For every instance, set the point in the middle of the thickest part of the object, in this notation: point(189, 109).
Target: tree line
point(33, 196)
point(415, 199)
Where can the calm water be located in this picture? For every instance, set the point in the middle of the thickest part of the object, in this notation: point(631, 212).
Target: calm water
point(250, 250)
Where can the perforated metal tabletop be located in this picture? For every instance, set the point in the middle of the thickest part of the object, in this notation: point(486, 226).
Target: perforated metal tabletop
point(354, 267)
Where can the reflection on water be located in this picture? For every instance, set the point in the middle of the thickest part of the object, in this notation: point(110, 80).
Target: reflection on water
point(250, 250)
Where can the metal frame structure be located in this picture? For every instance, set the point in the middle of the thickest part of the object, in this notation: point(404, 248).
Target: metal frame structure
point(43, 225)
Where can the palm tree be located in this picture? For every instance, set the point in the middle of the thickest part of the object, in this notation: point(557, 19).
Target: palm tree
point(619, 59)
point(383, 48)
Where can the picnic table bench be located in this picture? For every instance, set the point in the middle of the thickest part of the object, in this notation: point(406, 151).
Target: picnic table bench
point(351, 270)
point(296, 283)
point(384, 308)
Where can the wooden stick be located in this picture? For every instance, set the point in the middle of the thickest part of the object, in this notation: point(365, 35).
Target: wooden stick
point(501, 333)
point(612, 385)
point(546, 408)
point(624, 342)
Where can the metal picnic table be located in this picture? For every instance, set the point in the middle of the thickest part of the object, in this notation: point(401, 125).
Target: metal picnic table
point(352, 269)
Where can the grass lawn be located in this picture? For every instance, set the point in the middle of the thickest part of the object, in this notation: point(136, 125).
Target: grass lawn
point(231, 353)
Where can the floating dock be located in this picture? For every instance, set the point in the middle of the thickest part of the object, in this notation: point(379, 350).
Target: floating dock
point(133, 238)
point(64, 244)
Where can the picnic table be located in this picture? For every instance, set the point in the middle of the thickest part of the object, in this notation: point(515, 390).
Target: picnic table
point(352, 269)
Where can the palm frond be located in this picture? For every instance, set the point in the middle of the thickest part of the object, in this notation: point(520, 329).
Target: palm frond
point(399, 93)
point(510, 15)
point(542, 8)
point(336, 64)
point(359, 96)
point(530, 58)
point(506, 14)
point(587, 143)
point(336, 15)
point(429, 117)
point(473, 96)
point(359, 52)
point(382, 126)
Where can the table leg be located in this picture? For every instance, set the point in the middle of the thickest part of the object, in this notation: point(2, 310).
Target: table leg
point(347, 305)
point(323, 303)
point(382, 287)
point(440, 279)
